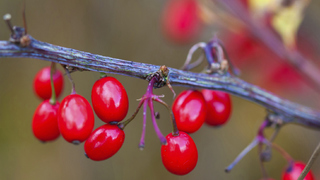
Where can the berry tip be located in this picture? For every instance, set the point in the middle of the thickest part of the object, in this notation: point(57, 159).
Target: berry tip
point(76, 142)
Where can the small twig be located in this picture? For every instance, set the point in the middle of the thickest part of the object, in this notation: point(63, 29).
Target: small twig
point(313, 157)
point(244, 152)
point(187, 66)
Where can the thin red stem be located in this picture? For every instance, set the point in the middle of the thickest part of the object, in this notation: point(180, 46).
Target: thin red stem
point(144, 124)
point(175, 131)
point(122, 125)
point(155, 125)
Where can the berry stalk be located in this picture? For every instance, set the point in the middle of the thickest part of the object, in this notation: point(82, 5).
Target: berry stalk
point(53, 91)
point(73, 86)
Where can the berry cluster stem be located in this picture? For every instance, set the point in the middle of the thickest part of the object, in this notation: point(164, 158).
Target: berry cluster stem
point(147, 101)
point(175, 130)
point(73, 86)
point(53, 91)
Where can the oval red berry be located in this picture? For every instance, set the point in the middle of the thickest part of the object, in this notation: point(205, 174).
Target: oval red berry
point(75, 118)
point(189, 110)
point(45, 121)
point(219, 107)
point(180, 155)
point(42, 84)
point(109, 99)
point(104, 142)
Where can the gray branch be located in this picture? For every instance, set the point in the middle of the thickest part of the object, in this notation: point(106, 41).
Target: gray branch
point(288, 111)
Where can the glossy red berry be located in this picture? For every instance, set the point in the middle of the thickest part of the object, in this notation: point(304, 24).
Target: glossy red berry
point(45, 121)
point(219, 107)
point(104, 142)
point(109, 99)
point(180, 155)
point(75, 118)
point(180, 20)
point(293, 172)
point(42, 84)
point(189, 110)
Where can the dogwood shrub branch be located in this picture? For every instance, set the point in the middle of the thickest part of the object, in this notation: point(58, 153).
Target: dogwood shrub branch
point(285, 110)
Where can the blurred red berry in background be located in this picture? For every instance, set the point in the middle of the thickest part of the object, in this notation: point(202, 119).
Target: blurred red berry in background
point(180, 21)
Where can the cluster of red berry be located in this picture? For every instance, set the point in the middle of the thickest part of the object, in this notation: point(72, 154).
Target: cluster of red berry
point(74, 117)
point(191, 109)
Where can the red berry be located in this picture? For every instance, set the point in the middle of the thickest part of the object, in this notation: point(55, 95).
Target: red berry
point(45, 121)
point(293, 172)
point(75, 118)
point(180, 21)
point(104, 142)
point(219, 107)
point(189, 110)
point(180, 155)
point(109, 99)
point(42, 84)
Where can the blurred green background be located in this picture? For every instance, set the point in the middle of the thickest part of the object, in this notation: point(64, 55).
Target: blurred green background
point(127, 30)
